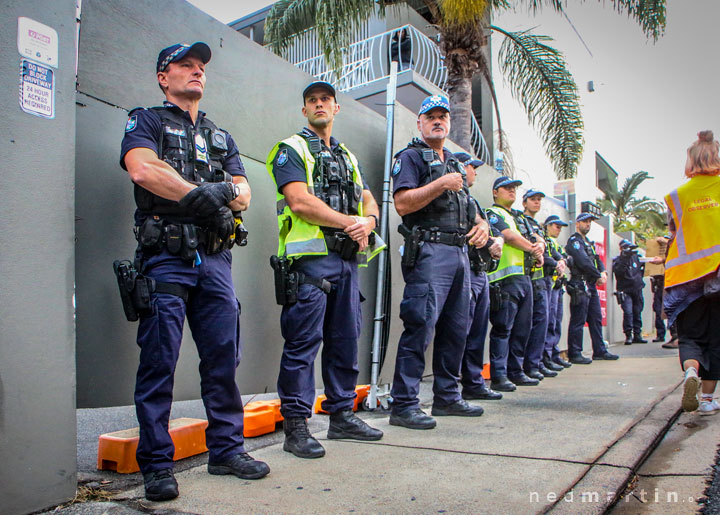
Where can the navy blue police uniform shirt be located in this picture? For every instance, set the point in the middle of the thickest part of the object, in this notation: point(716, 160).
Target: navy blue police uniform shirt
point(409, 170)
point(144, 130)
point(582, 261)
point(289, 167)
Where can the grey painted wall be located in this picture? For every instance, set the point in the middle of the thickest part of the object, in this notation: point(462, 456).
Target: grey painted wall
point(37, 352)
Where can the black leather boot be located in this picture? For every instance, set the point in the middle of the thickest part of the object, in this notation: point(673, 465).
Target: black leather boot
point(345, 424)
point(299, 441)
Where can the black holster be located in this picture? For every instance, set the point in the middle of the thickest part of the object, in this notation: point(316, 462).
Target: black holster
point(497, 297)
point(413, 242)
point(136, 290)
point(620, 297)
point(577, 293)
point(287, 283)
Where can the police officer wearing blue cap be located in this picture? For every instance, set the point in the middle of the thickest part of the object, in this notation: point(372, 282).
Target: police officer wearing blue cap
point(326, 216)
point(482, 260)
point(534, 364)
point(629, 272)
point(511, 299)
point(188, 181)
point(439, 221)
point(587, 272)
point(556, 282)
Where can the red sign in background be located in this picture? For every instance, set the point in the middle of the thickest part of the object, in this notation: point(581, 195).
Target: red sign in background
point(602, 290)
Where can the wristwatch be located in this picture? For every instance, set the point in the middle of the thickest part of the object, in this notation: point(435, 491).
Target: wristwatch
point(236, 190)
point(377, 222)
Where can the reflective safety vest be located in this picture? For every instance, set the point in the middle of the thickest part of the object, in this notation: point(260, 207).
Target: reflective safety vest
point(298, 237)
point(554, 245)
point(513, 258)
point(695, 251)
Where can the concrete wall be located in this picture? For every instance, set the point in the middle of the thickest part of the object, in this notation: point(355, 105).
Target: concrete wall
point(37, 351)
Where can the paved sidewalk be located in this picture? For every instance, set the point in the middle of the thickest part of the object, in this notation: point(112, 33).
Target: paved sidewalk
point(570, 445)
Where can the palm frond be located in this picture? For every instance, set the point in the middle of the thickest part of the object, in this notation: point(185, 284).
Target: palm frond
point(286, 19)
point(335, 23)
point(649, 14)
point(631, 185)
point(540, 80)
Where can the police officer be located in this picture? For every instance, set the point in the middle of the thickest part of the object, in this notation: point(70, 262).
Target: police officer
point(533, 363)
point(438, 220)
point(555, 282)
point(628, 272)
point(188, 179)
point(481, 261)
point(587, 272)
point(326, 217)
point(511, 300)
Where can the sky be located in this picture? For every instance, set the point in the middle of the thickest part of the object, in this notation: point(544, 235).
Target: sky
point(650, 100)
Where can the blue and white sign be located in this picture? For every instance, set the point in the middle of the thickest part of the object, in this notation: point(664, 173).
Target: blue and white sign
point(37, 89)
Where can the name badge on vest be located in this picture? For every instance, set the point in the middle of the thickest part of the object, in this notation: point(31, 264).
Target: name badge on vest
point(200, 149)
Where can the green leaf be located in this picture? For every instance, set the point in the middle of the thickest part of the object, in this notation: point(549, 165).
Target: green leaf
point(539, 79)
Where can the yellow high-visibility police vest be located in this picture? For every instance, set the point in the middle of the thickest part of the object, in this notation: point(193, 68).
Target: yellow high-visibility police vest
point(298, 237)
point(695, 251)
point(512, 259)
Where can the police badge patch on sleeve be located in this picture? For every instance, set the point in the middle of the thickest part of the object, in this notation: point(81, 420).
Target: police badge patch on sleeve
point(397, 167)
point(493, 219)
point(576, 244)
point(131, 123)
point(282, 157)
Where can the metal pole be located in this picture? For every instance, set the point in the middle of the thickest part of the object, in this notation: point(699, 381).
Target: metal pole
point(379, 319)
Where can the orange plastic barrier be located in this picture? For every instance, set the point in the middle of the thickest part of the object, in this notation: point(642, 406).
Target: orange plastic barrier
point(261, 417)
point(486, 371)
point(116, 451)
point(361, 391)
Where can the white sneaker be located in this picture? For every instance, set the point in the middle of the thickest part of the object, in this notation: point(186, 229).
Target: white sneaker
point(709, 407)
point(691, 386)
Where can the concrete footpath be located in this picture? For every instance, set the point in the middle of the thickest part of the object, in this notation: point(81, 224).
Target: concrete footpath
point(570, 445)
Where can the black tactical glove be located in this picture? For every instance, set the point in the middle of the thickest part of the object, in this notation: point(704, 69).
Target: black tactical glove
point(222, 223)
point(208, 197)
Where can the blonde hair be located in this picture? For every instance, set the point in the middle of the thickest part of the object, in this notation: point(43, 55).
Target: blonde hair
point(703, 158)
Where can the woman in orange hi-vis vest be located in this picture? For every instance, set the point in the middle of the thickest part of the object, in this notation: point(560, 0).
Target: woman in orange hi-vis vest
point(691, 273)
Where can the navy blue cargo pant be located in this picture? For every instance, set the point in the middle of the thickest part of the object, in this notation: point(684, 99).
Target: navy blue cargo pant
point(632, 306)
point(472, 363)
point(333, 320)
point(436, 298)
point(213, 314)
point(538, 332)
point(585, 309)
point(555, 316)
point(511, 327)
point(658, 286)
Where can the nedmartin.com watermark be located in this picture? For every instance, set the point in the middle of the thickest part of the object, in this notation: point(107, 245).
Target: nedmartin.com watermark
point(591, 497)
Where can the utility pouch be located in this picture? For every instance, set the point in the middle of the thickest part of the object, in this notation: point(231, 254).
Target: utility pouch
point(355, 196)
point(412, 244)
point(286, 284)
point(150, 236)
point(476, 262)
point(189, 243)
point(173, 238)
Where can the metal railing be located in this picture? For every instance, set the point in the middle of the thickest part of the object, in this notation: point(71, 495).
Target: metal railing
point(368, 60)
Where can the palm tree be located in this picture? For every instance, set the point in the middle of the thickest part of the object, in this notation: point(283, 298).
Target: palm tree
point(644, 216)
point(536, 72)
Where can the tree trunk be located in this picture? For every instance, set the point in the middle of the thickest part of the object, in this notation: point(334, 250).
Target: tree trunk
point(460, 91)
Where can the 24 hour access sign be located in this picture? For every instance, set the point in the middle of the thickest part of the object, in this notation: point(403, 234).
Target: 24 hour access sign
point(37, 89)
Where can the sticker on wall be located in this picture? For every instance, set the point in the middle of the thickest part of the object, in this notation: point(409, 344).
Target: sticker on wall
point(37, 89)
point(37, 42)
